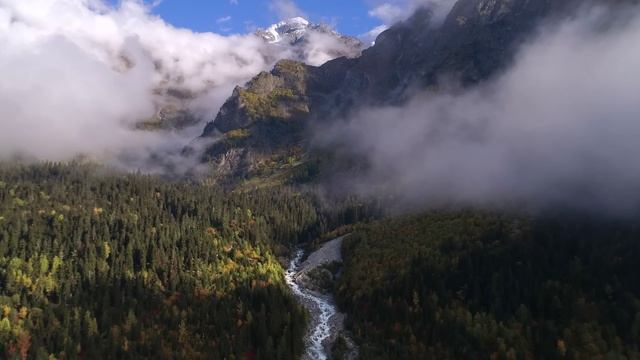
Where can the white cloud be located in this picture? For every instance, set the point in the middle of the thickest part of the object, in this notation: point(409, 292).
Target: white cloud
point(286, 9)
point(223, 19)
point(390, 12)
point(370, 36)
point(78, 74)
point(321, 47)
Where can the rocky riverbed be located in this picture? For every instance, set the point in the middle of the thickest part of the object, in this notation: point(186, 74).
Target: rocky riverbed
point(326, 322)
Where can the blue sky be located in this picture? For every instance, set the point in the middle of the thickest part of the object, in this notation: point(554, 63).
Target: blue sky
point(239, 16)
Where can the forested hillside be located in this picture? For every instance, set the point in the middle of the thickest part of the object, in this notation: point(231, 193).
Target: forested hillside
point(95, 264)
point(480, 285)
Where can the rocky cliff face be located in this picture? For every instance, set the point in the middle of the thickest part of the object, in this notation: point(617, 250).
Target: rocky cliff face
point(476, 40)
point(262, 123)
point(280, 94)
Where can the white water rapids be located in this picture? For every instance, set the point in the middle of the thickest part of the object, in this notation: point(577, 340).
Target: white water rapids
point(321, 309)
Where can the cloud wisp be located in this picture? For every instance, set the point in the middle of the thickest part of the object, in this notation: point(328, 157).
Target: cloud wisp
point(390, 12)
point(286, 9)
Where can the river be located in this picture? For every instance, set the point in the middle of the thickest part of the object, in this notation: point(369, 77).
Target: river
point(320, 307)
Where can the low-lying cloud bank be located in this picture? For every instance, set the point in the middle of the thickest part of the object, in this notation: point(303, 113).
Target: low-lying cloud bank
point(559, 128)
point(78, 75)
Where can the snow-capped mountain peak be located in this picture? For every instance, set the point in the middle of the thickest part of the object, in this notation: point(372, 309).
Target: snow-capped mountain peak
point(313, 44)
point(290, 30)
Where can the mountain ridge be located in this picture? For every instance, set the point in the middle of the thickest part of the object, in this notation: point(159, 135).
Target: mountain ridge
point(475, 41)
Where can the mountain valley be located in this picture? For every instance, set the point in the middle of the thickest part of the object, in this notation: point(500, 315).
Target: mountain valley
point(463, 188)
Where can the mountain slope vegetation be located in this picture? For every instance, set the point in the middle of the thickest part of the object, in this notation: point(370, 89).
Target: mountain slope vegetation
point(95, 264)
point(486, 285)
